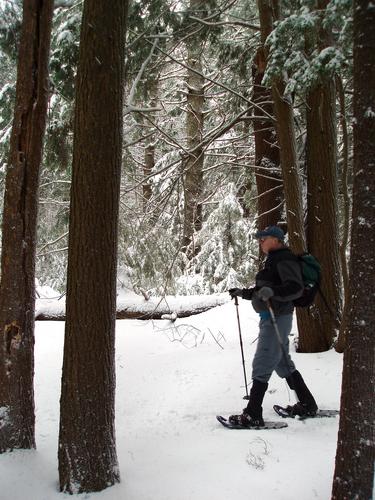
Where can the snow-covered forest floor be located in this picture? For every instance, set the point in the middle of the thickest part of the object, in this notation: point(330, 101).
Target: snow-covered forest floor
point(172, 379)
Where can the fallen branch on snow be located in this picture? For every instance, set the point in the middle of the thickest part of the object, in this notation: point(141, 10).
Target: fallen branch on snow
point(136, 307)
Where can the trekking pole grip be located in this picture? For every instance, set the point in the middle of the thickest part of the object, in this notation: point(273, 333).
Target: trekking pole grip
point(236, 300)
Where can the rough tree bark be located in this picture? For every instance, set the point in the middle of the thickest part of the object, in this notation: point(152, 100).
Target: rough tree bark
point(193, 167)
point(17, 289)
point(322, 223)
point(268, 12)
point(354, 470)
point(267, 154)
point(286, 136)
point(87, 448)
point(322, 206)
point(289, 166)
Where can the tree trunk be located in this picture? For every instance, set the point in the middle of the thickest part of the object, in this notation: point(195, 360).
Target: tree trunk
point(319, 331)
point(289, 166)
point(346, 206)
point(322, 224)
point(267, 154)
point(87, 448)
point(269, 10)
point(286, 136)
point(354, 471)
point(17, 289)
point(149, 152)
point(193, 166)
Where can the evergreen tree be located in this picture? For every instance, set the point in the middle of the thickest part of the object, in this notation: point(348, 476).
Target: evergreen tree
point(87, 446)
point(355, 455)
point(322, 204)
point(308, 62)
point(17, 287)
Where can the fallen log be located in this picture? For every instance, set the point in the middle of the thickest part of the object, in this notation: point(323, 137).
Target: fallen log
point(136, 307)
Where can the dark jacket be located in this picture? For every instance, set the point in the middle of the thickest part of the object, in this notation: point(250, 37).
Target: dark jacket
point(282, 273)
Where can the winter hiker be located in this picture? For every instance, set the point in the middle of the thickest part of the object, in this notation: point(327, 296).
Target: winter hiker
point(276, 286)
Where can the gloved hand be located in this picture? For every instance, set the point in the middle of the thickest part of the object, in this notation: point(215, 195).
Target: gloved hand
point(235, 292)
point(265, 293)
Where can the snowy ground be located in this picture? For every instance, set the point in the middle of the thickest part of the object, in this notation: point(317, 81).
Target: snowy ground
point(171, 382)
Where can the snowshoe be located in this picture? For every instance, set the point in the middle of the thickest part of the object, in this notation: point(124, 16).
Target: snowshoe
point(266, 425)
point(246, 420)
point(298, 410)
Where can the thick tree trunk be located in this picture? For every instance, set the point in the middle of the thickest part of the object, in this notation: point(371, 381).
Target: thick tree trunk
point(17, 289)
point(269, 10)
point(320, 330)
point(322, 223)
point(354, 471)
point(267, 153)
point(87, 448)
point(193, 167)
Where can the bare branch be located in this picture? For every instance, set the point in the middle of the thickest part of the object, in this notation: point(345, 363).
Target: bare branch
point(54, 182)
point(129, 108)
point(270, 211)
point(52, 251)
point(219, 84)
point(53, 242)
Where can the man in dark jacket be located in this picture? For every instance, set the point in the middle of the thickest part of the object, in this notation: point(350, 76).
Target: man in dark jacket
point(277, 284)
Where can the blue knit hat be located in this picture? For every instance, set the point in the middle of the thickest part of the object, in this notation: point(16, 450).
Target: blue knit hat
point(273, 231)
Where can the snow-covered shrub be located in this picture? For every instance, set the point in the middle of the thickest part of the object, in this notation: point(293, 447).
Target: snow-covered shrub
point(226, 249)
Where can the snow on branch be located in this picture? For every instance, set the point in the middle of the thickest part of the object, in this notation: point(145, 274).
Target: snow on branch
point(219, 84)
point(226, 23)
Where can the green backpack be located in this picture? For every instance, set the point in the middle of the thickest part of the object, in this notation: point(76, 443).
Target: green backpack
point(311, 276)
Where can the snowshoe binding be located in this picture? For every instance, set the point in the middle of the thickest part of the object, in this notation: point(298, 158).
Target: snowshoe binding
point(266, 425)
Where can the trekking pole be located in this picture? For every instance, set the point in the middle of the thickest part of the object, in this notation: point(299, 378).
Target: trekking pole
point(242, 355)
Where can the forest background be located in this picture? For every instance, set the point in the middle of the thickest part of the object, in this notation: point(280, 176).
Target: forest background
point(201, 164)
point(237, 115)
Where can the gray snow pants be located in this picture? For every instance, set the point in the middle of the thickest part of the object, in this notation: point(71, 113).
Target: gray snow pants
point(268, 355)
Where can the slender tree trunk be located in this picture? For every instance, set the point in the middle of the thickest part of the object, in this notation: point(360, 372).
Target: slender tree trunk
point(149, 153)
point(344, 184)
point(346, 203)
point(193, 181)
point(87, 448)
point(267, 153)
point(149, 163)
point(354, 471)
point(17, 289)
point(289, 166)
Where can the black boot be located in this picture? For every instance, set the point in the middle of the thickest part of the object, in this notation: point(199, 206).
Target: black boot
point(252, 414)
point(307, 404)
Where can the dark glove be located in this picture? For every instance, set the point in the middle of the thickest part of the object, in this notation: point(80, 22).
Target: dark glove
point(265, 293)
point(235, 292)
point(247, 293)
